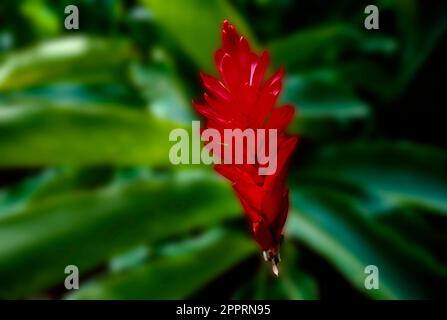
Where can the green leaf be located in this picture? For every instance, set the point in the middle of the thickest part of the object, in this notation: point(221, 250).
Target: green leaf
point(420, 228)
point(312, 47)
point(372, 77)
point(53, 181)
point(55, 135)
point(325, 44)
point(44, 20)
point(398, 173)
point(77, 95)
point(324, 107)
point(129, 260)
point(195, 25)
point(72, 58)
point(335, 229)
point(164, 92)
point(175, 275)
point(88, 227)
point(14, 198)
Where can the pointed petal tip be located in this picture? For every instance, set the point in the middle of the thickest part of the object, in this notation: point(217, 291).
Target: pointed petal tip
point(227, 26)
point(229, 32)
point(275, 270)
point(206, 78)
point(264, 255)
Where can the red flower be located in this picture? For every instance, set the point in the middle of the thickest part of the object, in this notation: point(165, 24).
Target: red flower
point(241, 99)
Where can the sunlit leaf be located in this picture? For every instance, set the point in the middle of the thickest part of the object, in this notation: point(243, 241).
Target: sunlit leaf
point(71, 58)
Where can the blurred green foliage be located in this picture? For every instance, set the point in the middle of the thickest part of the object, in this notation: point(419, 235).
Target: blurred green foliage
point(86, 179)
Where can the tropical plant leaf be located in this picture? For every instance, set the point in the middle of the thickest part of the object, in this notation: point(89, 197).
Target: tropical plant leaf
point(176, 274)
point(324, 45)
point(163, 92)
point(71, 58)
point(114, 94)
point(419, 228)
point(324, 107)
point(318, 44)
point(44, 20)
point(195, 25)
point(335, 228)
point(56, 181)
point(57, 135)
point(88, 227)
point(398, 173)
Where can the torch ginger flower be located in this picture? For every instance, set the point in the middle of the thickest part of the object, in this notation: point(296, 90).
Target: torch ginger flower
point(242, 99)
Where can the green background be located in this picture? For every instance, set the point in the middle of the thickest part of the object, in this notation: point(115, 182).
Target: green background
point(85, 176)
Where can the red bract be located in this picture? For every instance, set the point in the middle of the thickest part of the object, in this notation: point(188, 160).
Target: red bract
point(242, 99)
